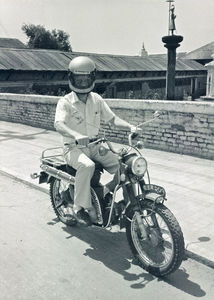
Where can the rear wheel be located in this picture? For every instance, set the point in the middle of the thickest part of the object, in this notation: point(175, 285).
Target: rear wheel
point(163, 251)
point(62, 203)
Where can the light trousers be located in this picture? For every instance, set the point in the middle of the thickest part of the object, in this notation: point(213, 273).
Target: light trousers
point(83, 160)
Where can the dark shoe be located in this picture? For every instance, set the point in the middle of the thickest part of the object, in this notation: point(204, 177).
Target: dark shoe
point(70, 220)
point(83, 218)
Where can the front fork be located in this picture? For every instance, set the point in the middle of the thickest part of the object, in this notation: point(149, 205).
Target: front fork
point(131, 192)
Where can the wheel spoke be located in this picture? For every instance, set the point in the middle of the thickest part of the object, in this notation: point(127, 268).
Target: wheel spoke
point(165, 231)
point(59, 205)
point(62, 203)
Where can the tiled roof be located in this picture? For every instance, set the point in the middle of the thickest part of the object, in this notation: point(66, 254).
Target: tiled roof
point(204, 52)
point(55, 60)
point(178, 54)
point(11, 43)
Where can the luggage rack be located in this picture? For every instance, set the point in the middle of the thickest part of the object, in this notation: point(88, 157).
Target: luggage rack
point(55, 158)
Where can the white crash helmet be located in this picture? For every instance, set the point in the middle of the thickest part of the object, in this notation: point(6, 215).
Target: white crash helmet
point(81, 74)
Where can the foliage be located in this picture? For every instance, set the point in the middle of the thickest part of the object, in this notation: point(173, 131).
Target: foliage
point(41, 38)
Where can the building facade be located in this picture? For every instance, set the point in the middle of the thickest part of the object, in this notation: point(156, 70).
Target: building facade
point(24, 70)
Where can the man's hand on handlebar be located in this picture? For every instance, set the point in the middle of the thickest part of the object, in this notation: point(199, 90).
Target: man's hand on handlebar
point(135, 131)
point(82, 140)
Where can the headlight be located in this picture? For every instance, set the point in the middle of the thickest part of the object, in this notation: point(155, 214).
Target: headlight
point(139, 166)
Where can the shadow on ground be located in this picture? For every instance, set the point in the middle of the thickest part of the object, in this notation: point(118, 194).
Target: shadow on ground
point(111, 249)
point(10, 135)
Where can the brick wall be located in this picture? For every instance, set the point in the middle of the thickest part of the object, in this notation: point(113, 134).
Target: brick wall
point(34, 110)
point(186, 127)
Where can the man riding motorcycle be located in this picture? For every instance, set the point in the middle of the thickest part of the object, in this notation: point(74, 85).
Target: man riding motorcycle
point(77, 119)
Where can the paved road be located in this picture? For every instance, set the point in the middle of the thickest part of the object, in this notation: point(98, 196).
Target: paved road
point(41, 258)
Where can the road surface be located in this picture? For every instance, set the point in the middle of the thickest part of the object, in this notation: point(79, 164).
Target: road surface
point(41, 258)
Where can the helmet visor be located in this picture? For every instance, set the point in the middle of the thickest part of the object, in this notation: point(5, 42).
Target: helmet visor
point(80, 81)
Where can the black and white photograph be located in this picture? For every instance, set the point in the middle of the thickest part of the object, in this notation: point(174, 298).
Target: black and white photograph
point(106, 149)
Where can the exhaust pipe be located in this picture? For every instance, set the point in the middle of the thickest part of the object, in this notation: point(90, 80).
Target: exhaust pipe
point(59, 174)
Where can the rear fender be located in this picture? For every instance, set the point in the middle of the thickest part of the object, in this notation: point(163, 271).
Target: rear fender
point(44, 177)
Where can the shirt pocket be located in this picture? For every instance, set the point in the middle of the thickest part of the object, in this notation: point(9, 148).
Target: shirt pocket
point(96, 118)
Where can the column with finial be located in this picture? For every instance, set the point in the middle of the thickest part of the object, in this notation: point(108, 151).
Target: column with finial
point(171, 43)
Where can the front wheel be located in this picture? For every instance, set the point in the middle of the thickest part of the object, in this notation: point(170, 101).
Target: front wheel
point(162, 252)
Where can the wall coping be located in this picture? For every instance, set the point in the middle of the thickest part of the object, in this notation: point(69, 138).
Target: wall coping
point(164, 105)
point(29, 98)
point(176, 106)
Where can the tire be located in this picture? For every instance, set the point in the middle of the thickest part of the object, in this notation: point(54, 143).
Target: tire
point(152, 254)
point(62, 203)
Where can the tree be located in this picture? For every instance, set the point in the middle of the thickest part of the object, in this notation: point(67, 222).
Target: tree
point(41, 38)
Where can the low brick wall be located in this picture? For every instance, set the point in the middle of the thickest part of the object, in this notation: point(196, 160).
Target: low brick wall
point(185, 127)
point(33, 110)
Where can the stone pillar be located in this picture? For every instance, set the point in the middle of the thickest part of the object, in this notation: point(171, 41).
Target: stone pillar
point(208, 89)
point(192, 86)
point(115, 91)
point(210, 79)
point(171, 43)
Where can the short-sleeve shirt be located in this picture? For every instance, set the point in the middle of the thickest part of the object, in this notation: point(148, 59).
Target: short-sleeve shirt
point(83, 117)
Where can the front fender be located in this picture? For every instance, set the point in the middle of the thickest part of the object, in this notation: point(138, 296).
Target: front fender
point(154, 192)
point(155, 197)
point(150, 192)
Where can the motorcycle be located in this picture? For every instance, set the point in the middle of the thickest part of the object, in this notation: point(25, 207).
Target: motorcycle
point(153, 233)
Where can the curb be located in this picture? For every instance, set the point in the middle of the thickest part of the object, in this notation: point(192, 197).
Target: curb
point(30, 184)
point(188, 254)
point(200, 259)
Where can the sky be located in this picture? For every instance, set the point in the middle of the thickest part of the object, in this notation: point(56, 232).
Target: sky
point(112, 26)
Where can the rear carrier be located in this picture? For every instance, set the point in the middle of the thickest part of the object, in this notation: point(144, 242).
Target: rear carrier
point(54, 165)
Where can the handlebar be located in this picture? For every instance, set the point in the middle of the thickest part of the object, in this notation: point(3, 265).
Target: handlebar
point(131, 136)
point(110, 146)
